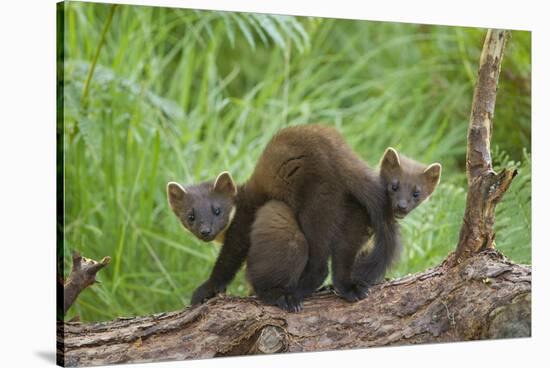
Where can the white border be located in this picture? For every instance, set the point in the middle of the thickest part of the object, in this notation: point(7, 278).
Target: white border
point(27, 183)
point(463, 13)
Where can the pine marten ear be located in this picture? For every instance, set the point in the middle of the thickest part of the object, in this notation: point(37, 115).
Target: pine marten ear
point(432, 174)
point(224, 184)
point(390, 160)
point(176, 194)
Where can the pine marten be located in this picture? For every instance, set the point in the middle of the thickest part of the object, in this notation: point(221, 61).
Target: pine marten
point(276, 238)
point(303, 203)
point(408, 183)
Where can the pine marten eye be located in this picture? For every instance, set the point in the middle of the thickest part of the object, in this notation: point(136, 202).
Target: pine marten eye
point(416, 194)
point(191, 217)
point(217, 211)
point(395, 185)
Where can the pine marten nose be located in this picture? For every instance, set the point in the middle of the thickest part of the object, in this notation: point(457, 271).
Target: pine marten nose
point(401, 205)
point(205, 232)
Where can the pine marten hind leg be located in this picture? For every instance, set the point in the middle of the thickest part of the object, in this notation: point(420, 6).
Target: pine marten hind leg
point(277, 256)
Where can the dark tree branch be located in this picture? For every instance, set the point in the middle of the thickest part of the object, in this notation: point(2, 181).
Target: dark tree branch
point(82, 275)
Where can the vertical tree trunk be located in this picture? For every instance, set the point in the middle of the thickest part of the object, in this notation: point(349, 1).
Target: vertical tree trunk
point(485, 187)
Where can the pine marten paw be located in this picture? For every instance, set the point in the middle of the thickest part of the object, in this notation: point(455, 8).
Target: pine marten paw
point(204, 292)
point(352, 292)
point(290, 303)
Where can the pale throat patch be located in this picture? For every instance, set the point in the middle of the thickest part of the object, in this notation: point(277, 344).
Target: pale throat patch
point(220, 238)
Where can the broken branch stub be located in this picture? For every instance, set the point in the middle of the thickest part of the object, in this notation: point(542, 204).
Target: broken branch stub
point(478, 155)
point(82, 275)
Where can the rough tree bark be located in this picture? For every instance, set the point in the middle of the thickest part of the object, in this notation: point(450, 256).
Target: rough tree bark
point(476, 293)
point(485, 187)
point(82, 275)
point(484, 296)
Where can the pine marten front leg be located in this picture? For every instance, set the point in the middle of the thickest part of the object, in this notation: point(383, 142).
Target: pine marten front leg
point(318, 218)
point(351, 235)
point(231, 257)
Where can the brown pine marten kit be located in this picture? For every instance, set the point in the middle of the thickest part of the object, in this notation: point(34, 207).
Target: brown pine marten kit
point(310, 197)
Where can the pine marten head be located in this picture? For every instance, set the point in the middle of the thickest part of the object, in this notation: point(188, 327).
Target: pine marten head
point(408, 183)
point(205, 209)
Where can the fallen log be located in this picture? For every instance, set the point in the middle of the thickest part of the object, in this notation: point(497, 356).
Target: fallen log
point(485, 296)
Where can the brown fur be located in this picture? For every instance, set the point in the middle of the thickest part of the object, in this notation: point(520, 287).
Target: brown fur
point(406, 176)
point(278, 253)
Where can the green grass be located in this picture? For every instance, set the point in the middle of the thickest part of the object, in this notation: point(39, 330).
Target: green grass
point(183, 95)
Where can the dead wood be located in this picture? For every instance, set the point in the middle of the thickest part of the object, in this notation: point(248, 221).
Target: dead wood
point(485, 186)
point(82, 275)
point(486, 296)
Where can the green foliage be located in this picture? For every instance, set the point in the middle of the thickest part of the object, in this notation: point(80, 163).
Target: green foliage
point(182, 95)
point(513, 215)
